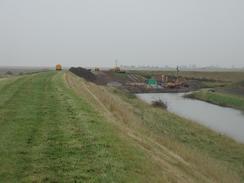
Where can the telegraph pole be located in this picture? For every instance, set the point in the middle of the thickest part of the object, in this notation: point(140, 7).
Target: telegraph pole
point(177, 71)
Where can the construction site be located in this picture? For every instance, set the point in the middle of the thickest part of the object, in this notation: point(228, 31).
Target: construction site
point(121, 91)
point(138, 82)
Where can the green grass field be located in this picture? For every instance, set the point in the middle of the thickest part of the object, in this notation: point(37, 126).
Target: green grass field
point(50, 135)
point(220, 98)
point(55, 127)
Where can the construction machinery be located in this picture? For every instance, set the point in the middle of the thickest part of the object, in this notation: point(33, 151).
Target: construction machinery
point(58, 67)
point(117, 68)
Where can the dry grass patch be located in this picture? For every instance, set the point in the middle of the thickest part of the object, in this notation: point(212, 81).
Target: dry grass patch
point(146, 127)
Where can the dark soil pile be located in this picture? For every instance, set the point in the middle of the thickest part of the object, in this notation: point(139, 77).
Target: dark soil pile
point(84, 73)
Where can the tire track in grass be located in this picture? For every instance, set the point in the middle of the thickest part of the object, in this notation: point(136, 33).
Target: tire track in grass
point(51, 135)
point(19, 122)
point(172, 162)
point(143, 142)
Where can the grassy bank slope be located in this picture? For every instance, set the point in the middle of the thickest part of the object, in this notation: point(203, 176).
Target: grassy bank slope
point(179, 146)
point(55, 127)
point(222, 99)
point(49, 134)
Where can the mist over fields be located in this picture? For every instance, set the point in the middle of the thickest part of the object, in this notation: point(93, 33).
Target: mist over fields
point(96, 33)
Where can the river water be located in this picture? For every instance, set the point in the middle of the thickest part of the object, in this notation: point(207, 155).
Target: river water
point(223, 120)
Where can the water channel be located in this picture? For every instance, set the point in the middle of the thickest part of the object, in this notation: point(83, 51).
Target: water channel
point(223, 120)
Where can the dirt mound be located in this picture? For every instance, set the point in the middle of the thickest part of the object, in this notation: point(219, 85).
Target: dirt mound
point(84, 73)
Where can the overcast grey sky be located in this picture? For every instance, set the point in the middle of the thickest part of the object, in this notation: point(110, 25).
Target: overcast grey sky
point(136, 32)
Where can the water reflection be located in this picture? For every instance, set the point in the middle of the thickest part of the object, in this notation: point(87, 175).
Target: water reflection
point(221, 119)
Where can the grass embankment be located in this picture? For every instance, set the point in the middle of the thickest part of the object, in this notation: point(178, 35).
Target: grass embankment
point(49, 134)
point(63, 129)
point(218, 98)
point(179, 146)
